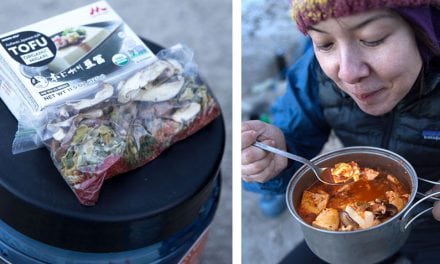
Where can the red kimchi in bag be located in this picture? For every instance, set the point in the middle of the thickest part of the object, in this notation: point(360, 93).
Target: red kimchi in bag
point(127, 122)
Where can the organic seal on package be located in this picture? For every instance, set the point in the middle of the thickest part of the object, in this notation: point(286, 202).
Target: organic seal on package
point(104, 104)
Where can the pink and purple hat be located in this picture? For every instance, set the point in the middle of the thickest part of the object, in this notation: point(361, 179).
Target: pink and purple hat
point(424, 14)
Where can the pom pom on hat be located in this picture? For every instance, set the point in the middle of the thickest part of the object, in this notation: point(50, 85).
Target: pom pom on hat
point(307, 13)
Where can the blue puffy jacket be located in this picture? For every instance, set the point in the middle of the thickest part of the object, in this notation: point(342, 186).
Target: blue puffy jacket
point(299, 115)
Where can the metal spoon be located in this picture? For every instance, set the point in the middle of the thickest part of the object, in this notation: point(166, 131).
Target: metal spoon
point(317, 170)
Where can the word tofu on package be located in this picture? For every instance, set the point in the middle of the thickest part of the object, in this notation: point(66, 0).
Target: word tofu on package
point(66, 56)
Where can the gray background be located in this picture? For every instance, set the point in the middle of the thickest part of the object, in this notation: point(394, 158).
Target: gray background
point(204, 26)
point(267, 29)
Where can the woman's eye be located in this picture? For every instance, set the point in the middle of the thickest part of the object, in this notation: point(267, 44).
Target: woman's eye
point(324, 47)
point(372, 43)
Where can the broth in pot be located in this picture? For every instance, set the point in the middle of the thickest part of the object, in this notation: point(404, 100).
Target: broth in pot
point(373, 197)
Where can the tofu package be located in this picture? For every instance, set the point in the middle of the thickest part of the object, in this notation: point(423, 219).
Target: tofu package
point(62, 58)
point(102, 103)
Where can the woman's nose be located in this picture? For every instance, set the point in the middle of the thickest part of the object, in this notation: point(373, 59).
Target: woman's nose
point(352, 66)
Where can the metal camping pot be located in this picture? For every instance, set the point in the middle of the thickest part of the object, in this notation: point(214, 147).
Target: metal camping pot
point(362, 246)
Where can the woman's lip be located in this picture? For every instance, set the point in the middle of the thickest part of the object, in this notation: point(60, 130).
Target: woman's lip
point(366, 96)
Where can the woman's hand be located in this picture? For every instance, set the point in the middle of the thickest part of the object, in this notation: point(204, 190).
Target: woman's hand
point(257, 164)
point(436, 209)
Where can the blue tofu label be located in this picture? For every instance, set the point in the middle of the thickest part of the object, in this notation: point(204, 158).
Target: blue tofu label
point(30, 48)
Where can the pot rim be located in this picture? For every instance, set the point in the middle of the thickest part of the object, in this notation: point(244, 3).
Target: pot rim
point(352, 150)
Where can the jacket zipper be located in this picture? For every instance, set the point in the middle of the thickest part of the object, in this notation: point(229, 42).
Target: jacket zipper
point(387, 136)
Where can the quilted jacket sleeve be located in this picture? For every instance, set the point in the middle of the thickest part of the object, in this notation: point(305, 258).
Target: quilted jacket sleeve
point(298, 114)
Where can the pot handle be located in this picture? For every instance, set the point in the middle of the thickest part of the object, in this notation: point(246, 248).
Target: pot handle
point(431, 182)
point(406, 222)
point(405, 218)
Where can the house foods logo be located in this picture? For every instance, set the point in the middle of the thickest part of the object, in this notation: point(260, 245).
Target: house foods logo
point(29, 48)
point(97, 10)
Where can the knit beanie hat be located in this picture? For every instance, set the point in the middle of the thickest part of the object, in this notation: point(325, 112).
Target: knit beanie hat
point(425, 14)
point(310, 12)
point(427, 19)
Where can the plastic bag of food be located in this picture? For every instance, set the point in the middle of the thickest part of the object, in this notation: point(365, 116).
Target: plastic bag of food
point(61, 58)
point(127, 122)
